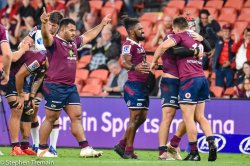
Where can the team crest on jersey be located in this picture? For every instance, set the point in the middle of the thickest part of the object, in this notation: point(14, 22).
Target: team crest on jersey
point(33, 66)
point(188, 95)
point(126, 49)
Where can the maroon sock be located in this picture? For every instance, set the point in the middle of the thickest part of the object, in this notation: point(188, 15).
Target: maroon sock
point(34, 124)
point(162, 149)
point(174, 142)
point(193, 146)
point(15, 144)
point(83, 144)
point(129, 149)
point(123, 143)
point(24, 145)
point(43, 146)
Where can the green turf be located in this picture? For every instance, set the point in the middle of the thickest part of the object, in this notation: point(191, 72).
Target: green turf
point(70, 157)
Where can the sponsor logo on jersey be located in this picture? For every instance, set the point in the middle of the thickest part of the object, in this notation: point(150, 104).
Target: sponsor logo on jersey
point(139, 104)
point(39, 41)
point(72, 56)
point(245, 145)
point(34, 65)
point(220, 142)
point(126, 49)
point(53, 106)
point(172, 101)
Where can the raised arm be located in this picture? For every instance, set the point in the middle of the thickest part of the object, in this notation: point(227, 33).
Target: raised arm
point(91, 34)
point(160, 50)
point(47, 37)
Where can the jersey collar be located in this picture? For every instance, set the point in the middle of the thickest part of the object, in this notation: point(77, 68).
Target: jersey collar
point(132, 41)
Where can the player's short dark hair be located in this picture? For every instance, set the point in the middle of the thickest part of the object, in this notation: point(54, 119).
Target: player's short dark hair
point(55, 17)
point(180, 22)
point(129, 22)
point(204, 11)
point(66, 22)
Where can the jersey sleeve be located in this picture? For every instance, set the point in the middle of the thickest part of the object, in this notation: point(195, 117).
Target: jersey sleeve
point(3, 35)
point(32, 65)
point(126, 49)
point(78, 41)
point(175, 37)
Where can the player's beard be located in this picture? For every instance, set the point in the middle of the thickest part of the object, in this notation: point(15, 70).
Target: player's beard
point(140, 38)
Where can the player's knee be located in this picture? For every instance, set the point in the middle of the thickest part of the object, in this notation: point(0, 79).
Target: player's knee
point(199, 119)
point(51, 119)
point(76, 116)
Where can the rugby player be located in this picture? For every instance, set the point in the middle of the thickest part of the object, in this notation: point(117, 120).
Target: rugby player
point(36, 41)
point(17, 93)
point(58, 86)
point(136, 93)
point(193, 89)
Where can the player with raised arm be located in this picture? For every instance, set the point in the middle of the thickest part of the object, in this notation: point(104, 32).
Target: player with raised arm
point(193, 89)
point(136, 93)
point(58, 86)
point(35, 38)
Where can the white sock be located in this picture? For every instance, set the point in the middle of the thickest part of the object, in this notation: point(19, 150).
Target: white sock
point(54, 137)
point(35, 136)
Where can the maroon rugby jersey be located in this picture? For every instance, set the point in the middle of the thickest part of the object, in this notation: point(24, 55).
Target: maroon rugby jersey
point(3, 36)
point(32, 61)
point(62, 61)
point(169, 61)
point(188, 67)
point(138, 55)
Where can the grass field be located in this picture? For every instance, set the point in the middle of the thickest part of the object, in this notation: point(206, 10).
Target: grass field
point(70, 157)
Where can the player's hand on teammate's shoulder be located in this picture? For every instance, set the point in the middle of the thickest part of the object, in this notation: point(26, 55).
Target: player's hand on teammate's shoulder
point(197, 36)
point(44, 17)
point(106, 20)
